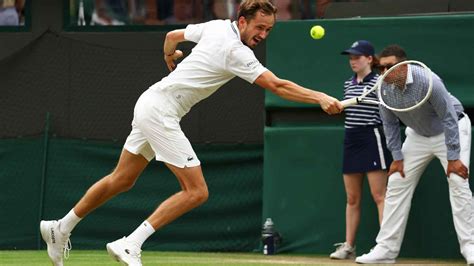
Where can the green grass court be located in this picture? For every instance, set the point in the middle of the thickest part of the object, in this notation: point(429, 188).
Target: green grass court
point(100, 257)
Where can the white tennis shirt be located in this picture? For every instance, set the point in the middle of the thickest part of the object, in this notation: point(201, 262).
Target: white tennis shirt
point(218, 57)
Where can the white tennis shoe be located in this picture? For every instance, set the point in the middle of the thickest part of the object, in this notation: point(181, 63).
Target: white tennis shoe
point(343, 251)
point(125, 251)
point(377, 255)
point(58, 243)
point(470, 260)
point(469, 255)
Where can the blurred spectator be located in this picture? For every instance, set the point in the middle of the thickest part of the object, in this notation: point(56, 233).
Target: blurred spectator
point(109, 12)
point(284, 9)
point(96, 12)
point(9, 12)
point(186, 12)
point(150, 12)
point(223, 9)
point(306, 8)
point(321, 6)
point(159, 12)
point(165, 9)
point(20, 8)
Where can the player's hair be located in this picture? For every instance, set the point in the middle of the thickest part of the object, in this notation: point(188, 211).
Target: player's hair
point(394, 50)
point(249, 8)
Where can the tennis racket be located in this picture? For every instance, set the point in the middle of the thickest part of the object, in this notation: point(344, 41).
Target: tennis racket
point(403, 87)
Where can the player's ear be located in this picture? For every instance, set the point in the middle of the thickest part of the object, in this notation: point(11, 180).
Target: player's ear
point(242, 22)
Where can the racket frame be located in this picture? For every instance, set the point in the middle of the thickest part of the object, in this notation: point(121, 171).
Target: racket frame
point(361, 99)
point(427, 96)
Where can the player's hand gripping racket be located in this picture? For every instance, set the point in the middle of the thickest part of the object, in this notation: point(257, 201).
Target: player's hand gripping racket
point(403, 87)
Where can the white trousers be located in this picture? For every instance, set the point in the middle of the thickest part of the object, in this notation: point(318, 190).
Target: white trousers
point(418, 151)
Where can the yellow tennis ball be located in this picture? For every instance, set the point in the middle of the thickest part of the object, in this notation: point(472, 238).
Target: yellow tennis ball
point(317, 32)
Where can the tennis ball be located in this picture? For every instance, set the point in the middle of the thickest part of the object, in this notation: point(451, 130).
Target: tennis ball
point(317, 32)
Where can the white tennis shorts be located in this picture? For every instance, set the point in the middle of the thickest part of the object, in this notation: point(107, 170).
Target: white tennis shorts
point(156, 132)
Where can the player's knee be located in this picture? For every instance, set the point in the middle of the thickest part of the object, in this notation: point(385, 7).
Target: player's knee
point(199, 195)
point(122, 182)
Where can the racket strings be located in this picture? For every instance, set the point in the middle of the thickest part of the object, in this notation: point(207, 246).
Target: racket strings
point(405, 87)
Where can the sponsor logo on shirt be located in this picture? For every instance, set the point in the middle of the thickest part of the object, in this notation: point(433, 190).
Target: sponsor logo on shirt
point(252, 63)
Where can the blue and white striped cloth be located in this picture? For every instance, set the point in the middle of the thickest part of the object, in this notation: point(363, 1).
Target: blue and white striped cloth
point(363, 114)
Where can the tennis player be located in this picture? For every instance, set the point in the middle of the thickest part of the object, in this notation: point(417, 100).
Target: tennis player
point(438, 128)
point(223, 51)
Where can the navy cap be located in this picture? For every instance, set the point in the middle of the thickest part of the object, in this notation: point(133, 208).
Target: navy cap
point(360, 47)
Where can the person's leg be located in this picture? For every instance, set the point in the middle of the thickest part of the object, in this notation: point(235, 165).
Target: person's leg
point(121, 179)
point(460, 194)
point(193, 193)
point(417, 155)
point(378, 187)
point(128, 169)
point(56, 233)
point(353, 185)
point(163, 133)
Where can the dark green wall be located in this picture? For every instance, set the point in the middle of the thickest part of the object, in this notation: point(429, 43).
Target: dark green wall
point(39, 181)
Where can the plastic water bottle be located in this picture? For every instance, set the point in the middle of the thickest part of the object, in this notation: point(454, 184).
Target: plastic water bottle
point(81, 21)
point(268, 237)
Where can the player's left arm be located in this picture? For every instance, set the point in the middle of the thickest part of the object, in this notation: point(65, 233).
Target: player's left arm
point(173, 38)
point(444, 108)
point(291, 91)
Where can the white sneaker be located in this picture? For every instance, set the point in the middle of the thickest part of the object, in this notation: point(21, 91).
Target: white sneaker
point(377, 255)
point(468, 253)
point(343, 251)
point(470, 261)
point(58, 243)
point(125, 251)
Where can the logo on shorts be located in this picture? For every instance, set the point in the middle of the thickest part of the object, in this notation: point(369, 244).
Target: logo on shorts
point(190, 158)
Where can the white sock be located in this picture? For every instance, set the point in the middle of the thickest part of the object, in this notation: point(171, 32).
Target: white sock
point(68, 222)
point(144, 231)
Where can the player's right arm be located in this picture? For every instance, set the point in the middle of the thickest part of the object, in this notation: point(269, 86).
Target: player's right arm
point(291, 91)
point(192, 32)
point(173, 38)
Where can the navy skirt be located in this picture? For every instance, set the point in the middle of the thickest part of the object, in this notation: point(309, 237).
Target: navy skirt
point(365, 150)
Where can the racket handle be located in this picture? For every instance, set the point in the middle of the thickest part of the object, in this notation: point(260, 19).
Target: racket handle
point(350, 102)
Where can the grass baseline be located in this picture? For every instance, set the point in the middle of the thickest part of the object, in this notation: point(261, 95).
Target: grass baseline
point(100, 257)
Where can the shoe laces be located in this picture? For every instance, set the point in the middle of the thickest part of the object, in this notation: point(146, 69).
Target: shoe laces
point(67, 248)
point(136, 253)
point(135, 249)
